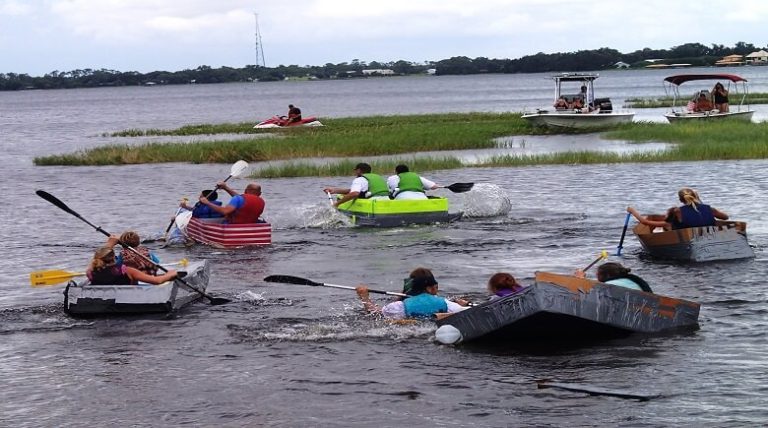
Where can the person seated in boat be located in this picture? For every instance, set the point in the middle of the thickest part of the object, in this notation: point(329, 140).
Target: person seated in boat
point(294, 114)
point(365, 185)
point(616, 274)
point(243, 208)
point(703, 104)
point(145, 261)
point(693, 213)
point(408, 185)
point(104, 270)
point(561, 104)
point(503, 284)
point(422, 300)
point(204, 211)
point(720, 95)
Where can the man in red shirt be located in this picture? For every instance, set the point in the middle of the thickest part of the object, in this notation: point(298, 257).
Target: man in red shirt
point(242, 208)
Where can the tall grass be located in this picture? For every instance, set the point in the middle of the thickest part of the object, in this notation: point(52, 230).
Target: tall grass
point(364, 137)
point(346, 137)
point(666, 101)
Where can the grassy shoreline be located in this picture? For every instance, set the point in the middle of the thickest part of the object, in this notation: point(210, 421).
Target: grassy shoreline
point(355, 139)
point(666, 101)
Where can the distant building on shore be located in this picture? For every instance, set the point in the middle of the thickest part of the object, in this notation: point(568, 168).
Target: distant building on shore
point(757, 58)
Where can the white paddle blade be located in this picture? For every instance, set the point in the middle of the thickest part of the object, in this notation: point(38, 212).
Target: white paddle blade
point(238, 168)
point(182, 220)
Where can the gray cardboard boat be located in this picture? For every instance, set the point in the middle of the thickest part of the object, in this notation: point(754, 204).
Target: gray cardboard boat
point(83, 298)
point(565, 307)
point(726, 240)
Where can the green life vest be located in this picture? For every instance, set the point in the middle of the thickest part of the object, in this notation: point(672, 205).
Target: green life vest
point(376, 185)
point(410, 182)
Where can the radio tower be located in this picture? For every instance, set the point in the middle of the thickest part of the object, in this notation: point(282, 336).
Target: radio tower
point(260, 62)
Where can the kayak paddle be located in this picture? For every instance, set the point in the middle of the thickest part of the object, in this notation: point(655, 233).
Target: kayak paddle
point(603, 255)
point(289, 279)
point(623, 234)
point(460, 187)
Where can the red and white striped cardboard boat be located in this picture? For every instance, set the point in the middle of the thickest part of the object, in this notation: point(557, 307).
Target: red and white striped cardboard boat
point(214, 233)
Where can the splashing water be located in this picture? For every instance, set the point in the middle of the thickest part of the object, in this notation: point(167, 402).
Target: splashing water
point(486, 200)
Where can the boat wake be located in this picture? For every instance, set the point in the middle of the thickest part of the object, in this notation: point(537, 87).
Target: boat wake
point(316, 216)
point(486, 200)
point(335, 329)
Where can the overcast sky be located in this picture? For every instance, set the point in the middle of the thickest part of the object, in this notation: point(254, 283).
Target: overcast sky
point(40, 36)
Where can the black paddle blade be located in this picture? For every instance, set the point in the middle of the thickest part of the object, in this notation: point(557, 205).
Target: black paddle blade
point(219, 301)
point(289, 279)
point(55, 201)
point(460, 187)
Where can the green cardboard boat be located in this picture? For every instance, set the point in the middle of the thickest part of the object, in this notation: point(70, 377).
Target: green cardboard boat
point(394, 213)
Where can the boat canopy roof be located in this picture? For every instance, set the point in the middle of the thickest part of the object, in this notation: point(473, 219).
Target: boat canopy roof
point(575, 77)
point(679, 79)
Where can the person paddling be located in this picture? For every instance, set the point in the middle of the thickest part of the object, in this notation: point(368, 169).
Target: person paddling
point(422, 301)
point(104, 270)
point(245, 207)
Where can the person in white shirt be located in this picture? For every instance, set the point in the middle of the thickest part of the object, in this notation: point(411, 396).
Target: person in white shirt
point(408, 185)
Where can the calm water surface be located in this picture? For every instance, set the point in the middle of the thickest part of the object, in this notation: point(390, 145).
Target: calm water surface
point(286, 355)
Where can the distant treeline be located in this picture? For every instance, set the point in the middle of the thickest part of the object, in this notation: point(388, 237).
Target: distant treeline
point(695, 54)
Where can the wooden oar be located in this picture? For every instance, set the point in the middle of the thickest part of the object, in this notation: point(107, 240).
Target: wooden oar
point(623, 234)
point(603, 255)
point(460, 187)
point(46, 278)
point(55, 201)
point(181, 220)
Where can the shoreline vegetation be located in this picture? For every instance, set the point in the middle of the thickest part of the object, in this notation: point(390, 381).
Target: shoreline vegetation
point(666, 101)
point(402, 136)
point(690, 54)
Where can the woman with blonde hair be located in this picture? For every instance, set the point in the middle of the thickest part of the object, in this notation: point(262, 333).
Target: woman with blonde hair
point(693, 213)
point(104, 270)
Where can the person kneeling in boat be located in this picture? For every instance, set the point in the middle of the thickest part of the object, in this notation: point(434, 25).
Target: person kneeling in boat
point(204, 211)
point(422, 301)
point(245, 207)
point(503, 284)
point(408, 185)
point(616, 274)
point(104, 270)
point(365, 185)
point(693, 213)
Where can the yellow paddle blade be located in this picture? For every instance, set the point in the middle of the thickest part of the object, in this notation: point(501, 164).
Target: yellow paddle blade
point(45, 278)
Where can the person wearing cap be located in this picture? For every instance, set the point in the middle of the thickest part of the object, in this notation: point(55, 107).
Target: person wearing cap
point(243, 208)
point(202, 210)
point(365, 185)
point(408, 185)
point(422, 300)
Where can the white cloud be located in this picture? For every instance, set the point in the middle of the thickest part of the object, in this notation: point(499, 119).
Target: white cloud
point(14, 8)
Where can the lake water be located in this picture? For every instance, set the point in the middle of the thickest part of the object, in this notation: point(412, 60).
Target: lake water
point(288, 355)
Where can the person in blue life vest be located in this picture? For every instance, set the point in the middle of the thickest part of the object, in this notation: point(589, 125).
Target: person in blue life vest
point(616, 274)
point(104, 270)
point(422, 300)
point(408, 185)
point(503, 284)
point(202, 210)
point(693, 213)
point(245, 207)
point(365, 185)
